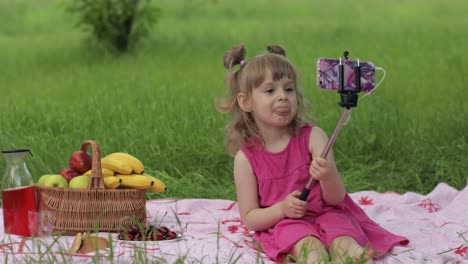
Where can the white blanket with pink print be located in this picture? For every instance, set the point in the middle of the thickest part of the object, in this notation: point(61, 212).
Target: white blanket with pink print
point(436, 225)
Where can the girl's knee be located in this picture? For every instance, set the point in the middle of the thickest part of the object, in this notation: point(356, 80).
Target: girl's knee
point(309, 250)
point(345, 248)
point(342, 242)
point(310, 242)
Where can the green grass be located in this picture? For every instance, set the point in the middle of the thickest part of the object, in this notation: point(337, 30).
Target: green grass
point(157, 102)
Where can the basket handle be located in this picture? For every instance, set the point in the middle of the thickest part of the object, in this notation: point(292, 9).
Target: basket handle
point(95, 181)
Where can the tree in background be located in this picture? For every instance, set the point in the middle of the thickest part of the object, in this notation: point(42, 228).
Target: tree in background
point(118, 24)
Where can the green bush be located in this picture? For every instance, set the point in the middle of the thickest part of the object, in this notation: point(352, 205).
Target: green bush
point(118, 24)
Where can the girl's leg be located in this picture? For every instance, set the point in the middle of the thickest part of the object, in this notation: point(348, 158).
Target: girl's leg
point(309, 250)
point(346, 248)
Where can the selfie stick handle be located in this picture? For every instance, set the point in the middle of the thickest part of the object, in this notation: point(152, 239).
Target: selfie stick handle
point(305, 192)
point(348, 100)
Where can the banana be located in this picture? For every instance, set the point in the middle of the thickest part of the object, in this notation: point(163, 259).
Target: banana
point(135, 181)
point(76, 243)
point(136, 164)
point(105, 172)
point(158, 185)
point(112, 182)
point(116, 165)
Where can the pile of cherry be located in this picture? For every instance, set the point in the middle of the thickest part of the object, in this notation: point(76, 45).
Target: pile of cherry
point(147, 233)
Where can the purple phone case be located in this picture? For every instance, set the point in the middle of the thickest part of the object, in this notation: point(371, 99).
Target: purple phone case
point(328, 75)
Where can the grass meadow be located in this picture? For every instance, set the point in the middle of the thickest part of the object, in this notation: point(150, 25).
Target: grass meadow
point(157, 101)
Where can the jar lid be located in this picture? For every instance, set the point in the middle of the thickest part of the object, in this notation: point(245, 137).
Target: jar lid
point(17, 151)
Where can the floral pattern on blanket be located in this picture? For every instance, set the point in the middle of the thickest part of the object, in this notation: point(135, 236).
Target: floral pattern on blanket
point(436, 225)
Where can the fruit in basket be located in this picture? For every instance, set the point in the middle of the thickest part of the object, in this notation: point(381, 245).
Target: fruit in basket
point(116, 165)
point(142, 182)
point(135, 181)
point(105, 172)
point(68, 173)
point(42, 179)
point(136, 164)
point(79, 182)
point(80, 161)
point(54, 180)
point(112, 182)
point(158, 185)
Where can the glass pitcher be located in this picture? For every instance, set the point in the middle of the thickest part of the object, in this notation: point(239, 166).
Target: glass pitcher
point(18, 197)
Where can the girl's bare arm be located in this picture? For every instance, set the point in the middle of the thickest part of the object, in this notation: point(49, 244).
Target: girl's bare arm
point(324, 170)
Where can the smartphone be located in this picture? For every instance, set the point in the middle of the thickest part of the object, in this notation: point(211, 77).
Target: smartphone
point(328, 74)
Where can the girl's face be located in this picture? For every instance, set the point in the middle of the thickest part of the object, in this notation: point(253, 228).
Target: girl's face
point(273, 103)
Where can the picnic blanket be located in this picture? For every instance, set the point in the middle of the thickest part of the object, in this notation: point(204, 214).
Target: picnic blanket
point(436, 225)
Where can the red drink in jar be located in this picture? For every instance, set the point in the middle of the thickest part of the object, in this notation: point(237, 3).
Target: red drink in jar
point(17, 202)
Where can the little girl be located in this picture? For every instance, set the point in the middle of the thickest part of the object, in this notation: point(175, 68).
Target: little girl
point(275, 154)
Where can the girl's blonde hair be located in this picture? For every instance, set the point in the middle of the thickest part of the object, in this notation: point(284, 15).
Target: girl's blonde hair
point(242, 129)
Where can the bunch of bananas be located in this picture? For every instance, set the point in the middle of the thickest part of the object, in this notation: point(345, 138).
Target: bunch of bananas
point(124, 170)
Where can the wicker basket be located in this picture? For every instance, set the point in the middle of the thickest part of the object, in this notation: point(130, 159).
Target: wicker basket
point(92, 209)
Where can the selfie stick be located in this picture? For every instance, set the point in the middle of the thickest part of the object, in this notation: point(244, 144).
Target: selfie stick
point(348, 99)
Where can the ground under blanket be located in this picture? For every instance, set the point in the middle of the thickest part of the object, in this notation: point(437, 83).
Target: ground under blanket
point(436, 225)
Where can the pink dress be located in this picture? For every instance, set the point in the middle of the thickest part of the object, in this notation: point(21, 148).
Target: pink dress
point(278, 174)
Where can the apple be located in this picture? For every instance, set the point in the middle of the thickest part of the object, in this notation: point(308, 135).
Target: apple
point(80, 161)
point(43, 178)
point(68, 173)
point(79, 182)
point(55, 180)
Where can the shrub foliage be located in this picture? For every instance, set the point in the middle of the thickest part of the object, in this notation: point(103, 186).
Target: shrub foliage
point(118, 24)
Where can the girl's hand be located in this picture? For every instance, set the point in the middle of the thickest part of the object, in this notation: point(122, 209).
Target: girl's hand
point(292, 206)
point(321, 169)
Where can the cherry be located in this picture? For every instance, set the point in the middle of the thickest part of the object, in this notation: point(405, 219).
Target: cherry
point(163, 230)
point(156, 236)
point(171, 235)
point(146, 233)
point(125, 237)
point(133, 229)
point(138, 237)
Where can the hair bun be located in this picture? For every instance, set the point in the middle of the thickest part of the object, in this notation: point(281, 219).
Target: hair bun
point(234, 56)
point(276, 50)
